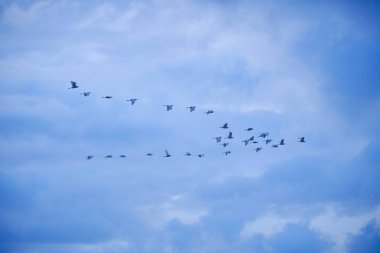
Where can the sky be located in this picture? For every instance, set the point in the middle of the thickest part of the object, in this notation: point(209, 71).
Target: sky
point(289, 68)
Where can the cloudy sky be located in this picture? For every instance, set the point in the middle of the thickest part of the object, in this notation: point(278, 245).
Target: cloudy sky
point(289, 68)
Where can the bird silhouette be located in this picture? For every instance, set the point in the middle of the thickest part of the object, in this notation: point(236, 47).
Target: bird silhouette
point(224, 144)
point(249, 129)
point(302, 139)
point(267, 141)
point(252, 138)
point(245, 142)
point(169, 107)
point(107, 97)
point(122, 156)
point(191, 108)
point(275, 146)
point(225, 126)
point(108, 156)
point(167, 154)
point(73, 85)
point(188, 154)
point(218, 139)
point(149, 154)
point(230, 136)
point(209, 112)
point(201, 155)
point(86, 94)
point(132, 100)
point(89, 157)
point(258, 149)
point(282, 142)
point(227, 152)
point(264, 135)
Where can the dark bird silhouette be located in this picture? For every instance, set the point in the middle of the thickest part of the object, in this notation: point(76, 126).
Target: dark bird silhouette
point(201, 155)
point(209, 112)
point(264, 135)
point(191, 108)
point(267, 141)
point(254, 142)
point(89, 157)
point(258, 149)
point(108, 156)
point(218, 139)
point(86, 94)
point(225, 144)
point(167, 154)
point(275, 146)
point(188, 154)
point(245, 142)
point(169, 107)
point(132, 100)
point(73, 85)
point(230, 136)
point(225, 126)
point(282, 142)
point(252, 138)
point(227, 152)
point(302, 139)
point(149, 154)
point(249, 129)
point(122, 156)
point(107, 97)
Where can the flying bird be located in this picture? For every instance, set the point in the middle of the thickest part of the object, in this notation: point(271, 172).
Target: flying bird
point(267, 141)
point(302, 139)
point(89, 157)
point(188, 154)
point(282, 142)
point(169, 107)
point(246, 142)
point(132, 100)
point(167, 154)
point(275, 146)
point(191, 108)
point(108, 156)
point(229, 136)
point(227, 152)
point(122, 156)
point(258, 149)
point(225, 126)
point(209, 112)
point(201, 155)
point(73, 85)
point(249, 129)
point(218, 139)
point(86, 94)
point(264, 135)
point(149, 154)
point(224, 144)
point(252, 138)
point(107, 97)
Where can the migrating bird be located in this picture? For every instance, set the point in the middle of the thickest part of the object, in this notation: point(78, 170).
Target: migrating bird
point(122, 156)
point(149, 154)
point(264, 135)
point(267, 141)
point(258, 149)
point(252, 138)
point(218, 139)
point(229, 136)
point(132, 100)
point(227, 152)
point(201, 155)
point(249, 129)
point(282, 142)
point(107, 97)
point(167, 154)
point(73, 85)
point(209, 112)
point(191, 108)
point(275, 146)
point(188, 154)
point(302, 139)
point(108, 156)
point(86, 94)
point(225, 126)
point(89, 157)
point(224, 144)
point(169, 107)
point(246, 142)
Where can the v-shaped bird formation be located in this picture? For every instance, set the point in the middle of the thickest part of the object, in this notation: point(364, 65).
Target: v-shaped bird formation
point(265, 140)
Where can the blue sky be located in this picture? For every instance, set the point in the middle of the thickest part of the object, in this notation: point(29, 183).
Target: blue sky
point(291, 69)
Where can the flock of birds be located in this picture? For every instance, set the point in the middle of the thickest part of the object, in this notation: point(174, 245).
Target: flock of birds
point(218, 139)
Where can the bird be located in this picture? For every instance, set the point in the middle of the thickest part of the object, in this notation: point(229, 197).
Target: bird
point(245, 142)
point(188, 154)
point(191, 108)
point(224, 144)
point(252, 138)
point(229, 136)
point(249, 129)
point(149, 154)
point(264, 135)
point(73, 85)
point(258, 149)
point(275, 146)
point(209, 112)
point(89, 157)
point(122, 156)
point(86, 94)
point(169, 107)
point(282, 142)
point(254, 142)
point(201, 155)
point(267, 141)
point(225, 126)
point(167, 154)
point(132, 100)
point(218, 139)
point(302, 139)
point(108, 156)
point(227, 152)
point(107, 97)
